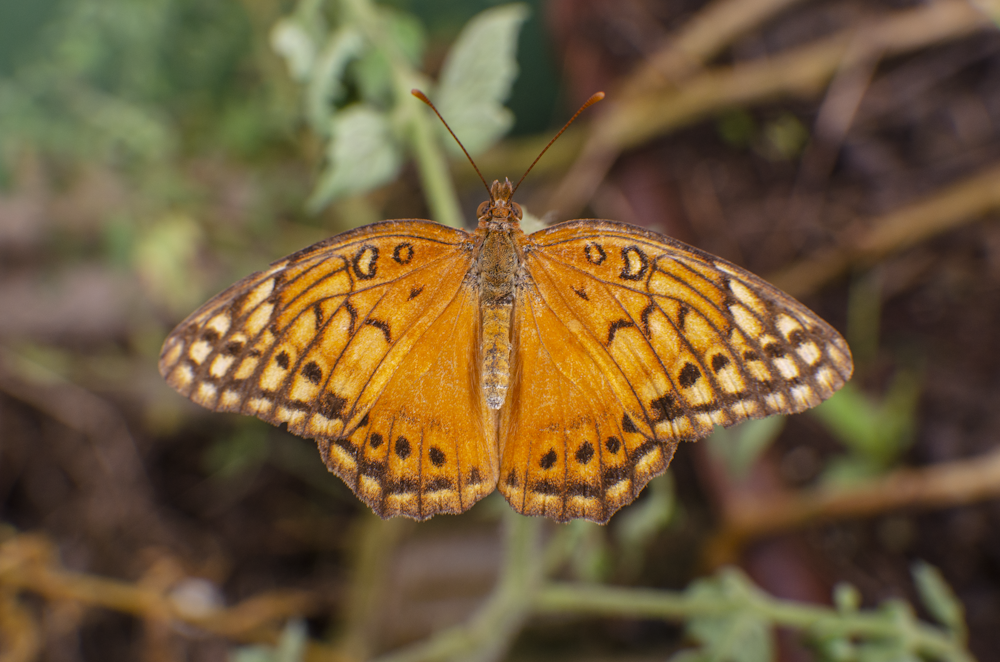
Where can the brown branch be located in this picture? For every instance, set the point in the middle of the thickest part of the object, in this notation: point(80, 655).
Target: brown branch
point(703, 37)
point(939, 486)
point(633, 120)
point(946, 209)
point(28, 563)
point(19, 635)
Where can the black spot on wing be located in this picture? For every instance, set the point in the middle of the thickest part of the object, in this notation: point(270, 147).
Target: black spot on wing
point(365, 262)
point(546, 487)
point(282, 359)
point(682, 313)
point(636, 263)
point(331, 406)
point(689, 375)
point(313, 372)
point(381, 326)
point(644, 318)
point(594, 253)
point(403, 253)
point(774, 350)
point(719, 361)
point(352, 311)
point(615, 326)
point(437, 456)
point(375, 440)
point(402, 448)
point(440, 483)
point(401, 485)
point(415, 292)
point(585, 452)
point(665, 408)
point(613, 444)
point(548, 460)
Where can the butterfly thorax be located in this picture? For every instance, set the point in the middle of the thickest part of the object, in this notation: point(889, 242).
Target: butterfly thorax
point(497, 266)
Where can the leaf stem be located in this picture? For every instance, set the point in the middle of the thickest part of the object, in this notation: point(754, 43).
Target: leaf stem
point(486, 636)
point(427, 150)
point(887, 623)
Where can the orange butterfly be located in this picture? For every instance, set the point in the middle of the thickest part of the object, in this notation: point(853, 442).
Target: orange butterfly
point(434, 365)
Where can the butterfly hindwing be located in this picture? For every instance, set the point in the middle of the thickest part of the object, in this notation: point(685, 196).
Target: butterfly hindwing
point(577, 442)
point(428, 442)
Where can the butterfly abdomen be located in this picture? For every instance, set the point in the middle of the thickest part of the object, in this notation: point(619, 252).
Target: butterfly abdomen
point(497, 269)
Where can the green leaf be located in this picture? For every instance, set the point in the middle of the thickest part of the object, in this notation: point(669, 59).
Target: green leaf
point(738, 636)
point(636, 527)
point(373, 73)
point(477, 76)
point(291, 647)
point(290, 40)
point(363, 154)
point(846, 597)
point(875, 432)
point(325, 85)
point(739, 447)
point(939, 599)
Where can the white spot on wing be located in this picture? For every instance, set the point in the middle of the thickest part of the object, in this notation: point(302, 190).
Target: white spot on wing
point(808, 352)
point(745, 320)
point(221, 365)
point(259, 319)
point(776, 402)
point(229, 398)
point(743, 293)
point(259, 293)
point(786, 367)
point(220, 323)
point(199, 351)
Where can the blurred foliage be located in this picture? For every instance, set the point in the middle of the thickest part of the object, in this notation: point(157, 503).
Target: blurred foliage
point(290, 648)
point(357, 62)
point(875, 434)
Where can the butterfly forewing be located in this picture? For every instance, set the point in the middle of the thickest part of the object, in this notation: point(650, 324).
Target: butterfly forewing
point(700, 341)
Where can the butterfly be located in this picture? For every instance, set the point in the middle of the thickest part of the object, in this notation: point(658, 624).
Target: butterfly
point(435, 365)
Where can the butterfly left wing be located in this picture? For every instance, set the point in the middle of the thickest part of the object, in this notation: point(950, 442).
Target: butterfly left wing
point(673, 340)
point(343, 341)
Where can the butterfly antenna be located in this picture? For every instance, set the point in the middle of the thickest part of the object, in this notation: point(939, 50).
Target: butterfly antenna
point(423, 97)
point(590, 102)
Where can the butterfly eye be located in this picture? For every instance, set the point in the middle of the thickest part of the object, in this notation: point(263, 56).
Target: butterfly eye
point(483, 208)
point(517, 210)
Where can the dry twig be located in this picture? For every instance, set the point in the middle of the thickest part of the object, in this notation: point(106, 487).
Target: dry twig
point(28, 563)
point(939, 486)
point(633, 120)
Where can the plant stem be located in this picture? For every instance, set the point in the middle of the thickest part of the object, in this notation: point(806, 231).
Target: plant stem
point(431, 161)
point(648, 603)
point(486, 636)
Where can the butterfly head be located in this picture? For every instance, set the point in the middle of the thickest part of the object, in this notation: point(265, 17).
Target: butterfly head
point(499, 207)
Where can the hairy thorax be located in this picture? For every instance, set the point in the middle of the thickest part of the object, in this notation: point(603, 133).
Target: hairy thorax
point(497, 266)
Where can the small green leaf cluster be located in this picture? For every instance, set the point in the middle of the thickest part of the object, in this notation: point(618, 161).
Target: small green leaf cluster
point(356, 63)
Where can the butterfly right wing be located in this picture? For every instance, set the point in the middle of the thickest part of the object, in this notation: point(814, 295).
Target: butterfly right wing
point(330, 339)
